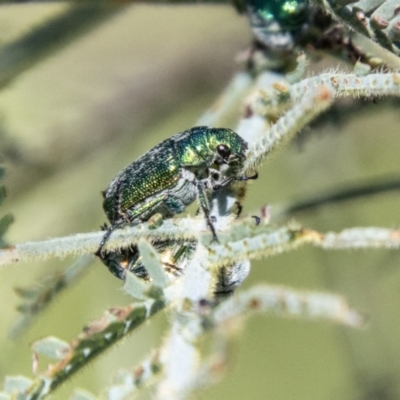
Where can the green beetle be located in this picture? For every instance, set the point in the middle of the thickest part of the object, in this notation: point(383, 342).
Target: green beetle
point(172, 175)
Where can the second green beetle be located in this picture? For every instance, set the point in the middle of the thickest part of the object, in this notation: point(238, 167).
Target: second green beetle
point(169, 177)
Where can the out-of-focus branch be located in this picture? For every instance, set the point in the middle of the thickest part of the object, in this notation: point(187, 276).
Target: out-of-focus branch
point(377, 20)
point(352, 192)
point(42, 41)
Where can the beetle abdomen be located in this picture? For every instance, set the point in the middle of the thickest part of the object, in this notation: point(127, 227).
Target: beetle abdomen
point(154, 172)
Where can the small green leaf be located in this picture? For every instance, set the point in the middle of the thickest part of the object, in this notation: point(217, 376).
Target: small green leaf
point(134, 286)
point(152, 263)
point(361, 69)
point(51, 347)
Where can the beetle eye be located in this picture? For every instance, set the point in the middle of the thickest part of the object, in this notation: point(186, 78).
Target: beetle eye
point(224, 151)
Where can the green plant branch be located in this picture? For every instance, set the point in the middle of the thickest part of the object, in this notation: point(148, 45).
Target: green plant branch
point(242, 240)
point(255, 243)
point(93, 341)
point(303, 112)
point(286, 302)
point(88, 243)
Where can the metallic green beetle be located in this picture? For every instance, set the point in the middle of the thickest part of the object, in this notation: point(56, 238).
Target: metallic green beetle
point(280, 25)
point(169, 177)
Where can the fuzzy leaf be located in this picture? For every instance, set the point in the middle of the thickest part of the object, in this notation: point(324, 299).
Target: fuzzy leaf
point(51, 347)
point(134, 286)
point(153, 264)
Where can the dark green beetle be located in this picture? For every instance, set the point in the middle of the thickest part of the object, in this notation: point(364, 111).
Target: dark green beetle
point(279, 24)
point(169, 177)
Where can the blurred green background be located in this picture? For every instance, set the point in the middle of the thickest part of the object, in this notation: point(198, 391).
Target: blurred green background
point(72, 121)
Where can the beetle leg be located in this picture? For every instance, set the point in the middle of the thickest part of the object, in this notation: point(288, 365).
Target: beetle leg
point(119, 214)
point(227, 181)
point(117, 201)
point(126, 219)
point(214, 173)
point(120, 261)
point(105, 238)
point(223, 184)
point(130, 218)
point(173, 268)
point(246, 178)
point(204, 204)
point(240, 208)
